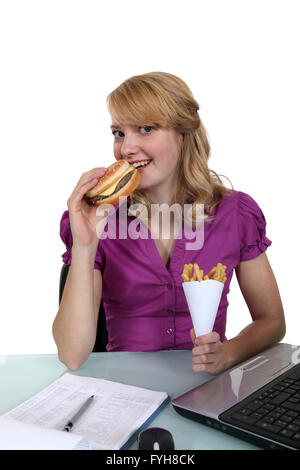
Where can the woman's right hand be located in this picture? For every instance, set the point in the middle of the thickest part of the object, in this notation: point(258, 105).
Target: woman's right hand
point(83, 217)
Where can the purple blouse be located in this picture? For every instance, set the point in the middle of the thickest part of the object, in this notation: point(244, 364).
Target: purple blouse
point(144, 302)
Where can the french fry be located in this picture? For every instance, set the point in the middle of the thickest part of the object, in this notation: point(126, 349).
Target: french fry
point(185, 275)
point(191, 267)
point(194, 277)
point(217, 273)
point(198, 273)
point(211, 272)
point(224, 278)
point(187, 272)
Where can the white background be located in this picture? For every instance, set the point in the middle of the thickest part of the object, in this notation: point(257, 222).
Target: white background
point(60, 59)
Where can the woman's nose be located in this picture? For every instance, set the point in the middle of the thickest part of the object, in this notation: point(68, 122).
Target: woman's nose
point(129, 145)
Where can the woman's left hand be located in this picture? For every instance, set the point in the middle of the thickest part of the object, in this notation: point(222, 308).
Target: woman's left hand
point(208, 353)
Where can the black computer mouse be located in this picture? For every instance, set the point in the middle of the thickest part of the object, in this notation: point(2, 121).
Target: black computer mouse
point(155, 439)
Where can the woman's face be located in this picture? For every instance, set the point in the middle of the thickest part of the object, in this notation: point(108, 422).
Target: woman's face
point(158, 147)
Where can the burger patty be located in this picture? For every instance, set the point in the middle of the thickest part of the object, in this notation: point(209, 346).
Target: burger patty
point(123, 181)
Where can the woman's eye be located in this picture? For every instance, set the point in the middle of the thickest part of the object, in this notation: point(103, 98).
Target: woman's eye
point(146, 129)
point(118, 134)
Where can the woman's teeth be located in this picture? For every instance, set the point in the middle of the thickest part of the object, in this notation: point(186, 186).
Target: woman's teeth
point(140, 164)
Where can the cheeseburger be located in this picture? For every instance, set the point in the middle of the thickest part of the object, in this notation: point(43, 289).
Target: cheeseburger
point(121, 179)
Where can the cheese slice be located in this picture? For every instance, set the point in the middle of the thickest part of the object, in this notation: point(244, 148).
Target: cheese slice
point(111, 188)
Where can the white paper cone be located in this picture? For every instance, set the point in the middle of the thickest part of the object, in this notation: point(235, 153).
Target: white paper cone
point(203, 299)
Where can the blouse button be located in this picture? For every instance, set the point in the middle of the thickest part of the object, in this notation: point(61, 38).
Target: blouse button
point(169, 331)
point(170, 311)
point(169, 286)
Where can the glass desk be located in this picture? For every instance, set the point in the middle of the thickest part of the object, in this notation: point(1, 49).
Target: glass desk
point(22, 376)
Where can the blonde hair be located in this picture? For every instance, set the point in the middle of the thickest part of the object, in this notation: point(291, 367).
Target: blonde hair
point(164, 100)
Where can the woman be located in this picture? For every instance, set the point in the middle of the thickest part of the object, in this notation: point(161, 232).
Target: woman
point(155, 118)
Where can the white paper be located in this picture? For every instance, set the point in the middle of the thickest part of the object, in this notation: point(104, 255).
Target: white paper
point(117, 411)
point(203, 299)
point(16, 435)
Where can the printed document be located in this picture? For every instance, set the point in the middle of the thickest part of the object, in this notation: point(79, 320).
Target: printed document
point(116, 413)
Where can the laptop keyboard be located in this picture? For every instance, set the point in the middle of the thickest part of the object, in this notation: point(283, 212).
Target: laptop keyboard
point(273, 411)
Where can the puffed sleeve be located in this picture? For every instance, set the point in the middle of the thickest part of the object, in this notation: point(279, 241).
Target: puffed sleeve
point(252, 228)
point(66, 236)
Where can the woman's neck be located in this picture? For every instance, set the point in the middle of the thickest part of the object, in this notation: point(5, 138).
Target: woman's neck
point(162, 196)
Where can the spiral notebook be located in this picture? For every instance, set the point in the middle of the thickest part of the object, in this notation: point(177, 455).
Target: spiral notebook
point(112, 422)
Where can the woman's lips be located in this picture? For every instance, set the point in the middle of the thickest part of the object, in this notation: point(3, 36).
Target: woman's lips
point(142, 168)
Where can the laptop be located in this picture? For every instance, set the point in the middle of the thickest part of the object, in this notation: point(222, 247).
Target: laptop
point(257, 400)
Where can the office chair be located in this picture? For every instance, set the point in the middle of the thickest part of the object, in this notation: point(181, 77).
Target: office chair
point(101, 337)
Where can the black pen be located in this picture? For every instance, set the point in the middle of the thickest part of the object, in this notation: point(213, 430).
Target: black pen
point(73, 420)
